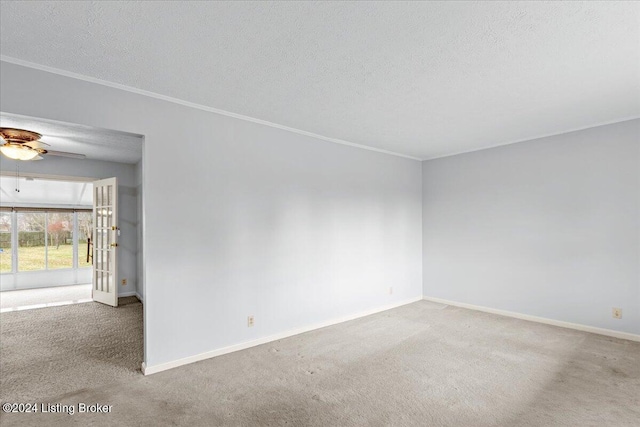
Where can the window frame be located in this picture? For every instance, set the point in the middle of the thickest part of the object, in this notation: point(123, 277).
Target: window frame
point(14, 210)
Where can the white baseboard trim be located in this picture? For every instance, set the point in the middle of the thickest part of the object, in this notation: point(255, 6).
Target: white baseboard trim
point(560, 323)
point(126, 294)
point(148, 370)
point(139, 297)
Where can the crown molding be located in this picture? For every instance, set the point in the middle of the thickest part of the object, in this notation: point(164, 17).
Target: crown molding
point(189, 104)
point(502, 144)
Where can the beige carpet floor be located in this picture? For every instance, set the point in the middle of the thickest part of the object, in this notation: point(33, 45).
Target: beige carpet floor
point(56, 350)
point(417, 365)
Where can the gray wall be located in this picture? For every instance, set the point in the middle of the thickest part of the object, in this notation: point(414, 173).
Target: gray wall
point(127, 209)
point(548, 227)
point(246, 219)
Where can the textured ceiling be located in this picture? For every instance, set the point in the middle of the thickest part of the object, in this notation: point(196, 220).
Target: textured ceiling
point(425, 79)
point(96, 144)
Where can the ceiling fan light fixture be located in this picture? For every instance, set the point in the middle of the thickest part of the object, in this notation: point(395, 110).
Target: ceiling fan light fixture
point(18, 152)
point(21, 144)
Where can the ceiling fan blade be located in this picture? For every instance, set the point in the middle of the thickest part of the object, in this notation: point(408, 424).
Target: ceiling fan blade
point(64, 154)
point(36, 144)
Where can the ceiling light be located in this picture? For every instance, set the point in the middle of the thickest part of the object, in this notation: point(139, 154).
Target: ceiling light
point(21, 144)
point(18, 152)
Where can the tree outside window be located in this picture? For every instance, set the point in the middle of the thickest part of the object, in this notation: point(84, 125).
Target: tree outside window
point(59, 240)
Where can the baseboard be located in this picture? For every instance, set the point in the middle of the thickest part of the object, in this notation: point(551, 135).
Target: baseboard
point(547, 321)
point(148, 370)
point(131, 294)
point(127, 294)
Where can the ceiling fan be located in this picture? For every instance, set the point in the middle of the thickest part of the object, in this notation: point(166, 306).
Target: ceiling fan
point(20, 144)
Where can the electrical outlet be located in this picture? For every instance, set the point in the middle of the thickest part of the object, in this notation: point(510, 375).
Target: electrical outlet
point(617, 313)
point(124, 282)
point(391, 290)
point(250, 321)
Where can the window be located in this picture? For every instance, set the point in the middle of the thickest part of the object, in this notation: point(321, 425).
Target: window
point(5, 242)
point(46, 240)
point(59, 240)
point(85, 227)
point(32, 237)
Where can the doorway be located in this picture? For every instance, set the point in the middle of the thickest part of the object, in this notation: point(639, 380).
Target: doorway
point(45, 233)
point(47, 242)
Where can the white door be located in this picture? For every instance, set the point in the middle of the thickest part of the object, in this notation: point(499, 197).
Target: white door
point(105, 241)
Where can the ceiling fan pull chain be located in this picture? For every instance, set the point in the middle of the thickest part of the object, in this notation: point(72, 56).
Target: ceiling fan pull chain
point(17, 177)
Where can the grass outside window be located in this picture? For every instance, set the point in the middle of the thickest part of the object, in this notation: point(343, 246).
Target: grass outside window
point(32, 258)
